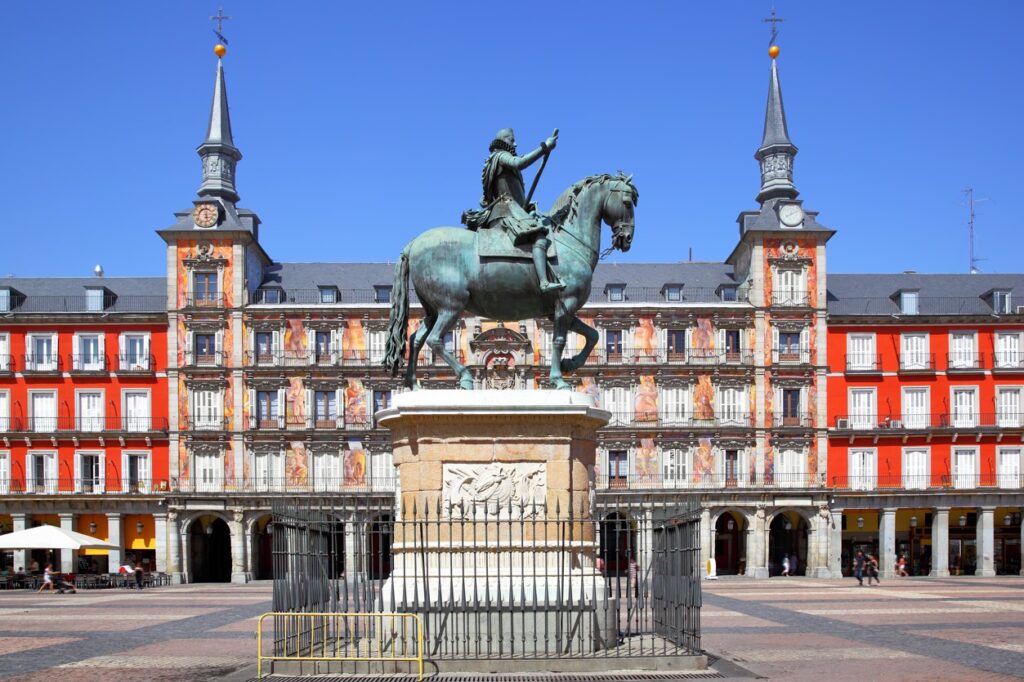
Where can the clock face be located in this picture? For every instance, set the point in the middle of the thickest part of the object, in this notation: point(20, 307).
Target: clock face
point(791, 215)
point(205, 215)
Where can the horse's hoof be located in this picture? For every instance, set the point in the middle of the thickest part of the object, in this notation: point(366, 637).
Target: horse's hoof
point(561, 385)
point(466, 384)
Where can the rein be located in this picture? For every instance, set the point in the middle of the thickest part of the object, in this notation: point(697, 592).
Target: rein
point(571, 210)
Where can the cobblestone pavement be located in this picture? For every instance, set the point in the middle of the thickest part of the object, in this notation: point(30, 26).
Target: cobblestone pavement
point(166, 634)
point(906, 629)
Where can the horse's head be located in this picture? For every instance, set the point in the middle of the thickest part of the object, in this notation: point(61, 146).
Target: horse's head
point(617, 210)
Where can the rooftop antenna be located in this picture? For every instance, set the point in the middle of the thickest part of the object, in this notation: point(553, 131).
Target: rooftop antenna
point(973, 260)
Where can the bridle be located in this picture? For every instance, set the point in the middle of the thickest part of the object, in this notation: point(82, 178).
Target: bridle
point(622, 223)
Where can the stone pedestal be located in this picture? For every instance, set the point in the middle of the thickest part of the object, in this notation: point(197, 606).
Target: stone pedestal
point(494, 532)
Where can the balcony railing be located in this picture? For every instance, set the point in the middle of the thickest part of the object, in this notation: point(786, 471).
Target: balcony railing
point(801, 420)
point(258, 485)
point(130, 363)
point(660, 355)
point(1008, 361)
point(655, 420)
point(795, 356)
point(932, 421)
point(917, 362)
point(275, 423)
point(926, 305)
point(196, 359)
point(863, 363)
point(790, 299)
point(6, 364)
point(80, 486)
point(291, 358)
point(695, 481)
point(41, 363)
point(50, 425)
point(209, 424)
point(86, 364)
point(965, 362)
point(194, 300)
point(933, 481)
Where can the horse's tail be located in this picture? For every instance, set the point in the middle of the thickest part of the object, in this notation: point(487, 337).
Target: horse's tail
point(398, 322)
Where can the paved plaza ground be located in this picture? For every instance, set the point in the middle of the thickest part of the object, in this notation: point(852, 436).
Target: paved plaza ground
point(782, 629)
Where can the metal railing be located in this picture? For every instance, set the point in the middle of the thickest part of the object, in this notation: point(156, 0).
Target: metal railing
point(783, 356)
point(135, 364)
point(965, 362)
point(1008, 361)
point(926, 305)
point(863, 362)
point(194, 300)
point(935, 420)
point(41, 363)
point(801, 420)
point(55, 425)
point(6, 364)
point(659, 355)
point(89, 363)
point(312, 297)
point(653, 419)
point(84, 304)
point(275, 422)
point(78, 485)
point(195, 359)
point(790, 299)
point(916, 362)
point(304, 483)
point(602, 294)
point(933, 481)
point(207, 424)
point(708, 481)
point(292, 358)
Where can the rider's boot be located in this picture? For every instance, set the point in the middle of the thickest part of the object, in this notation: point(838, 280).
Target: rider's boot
point(540, 262)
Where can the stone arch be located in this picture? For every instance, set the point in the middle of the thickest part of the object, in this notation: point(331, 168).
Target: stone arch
point(788, 531)
point(729, 550)
point(208, 547)
point(258, 530)
point(618, 542)
point(379, 534)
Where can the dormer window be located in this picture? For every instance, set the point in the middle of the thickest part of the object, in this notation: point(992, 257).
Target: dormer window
point(616, 292)
point(94, 299)
point(5, 300)
point(271, 296)
point(1001, 302)
point(328, 294)
point(728, 293)
point(908, 302)
point(673, 293)
point(382, 294)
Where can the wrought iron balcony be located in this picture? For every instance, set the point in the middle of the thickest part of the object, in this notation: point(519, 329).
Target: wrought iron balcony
point(965, 362)
point(83, 425)
point(111, 485)
point(709, 481)
point(206, 359)
point(47, 363)
point(201, 300)
point(790, 299)
point(82, 303)
point(800, 420)
point(308, 483)
point(7, 364)
point(791, 356)
point(89, 364)
point(917, 363)
point(132, 363)
point(208, 424)
point(933, 481)
point(690, 421)
point(863, 363)
point(292, 358)
point(1008, 362)
point(950, 421)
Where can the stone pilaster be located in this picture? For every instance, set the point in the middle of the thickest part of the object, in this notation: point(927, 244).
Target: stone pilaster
point(940, 543)
point(173, 567)
point(887, 543)
point(238, 572)
point(160, 534)
point(986, 542)
point(835, 544)
point(19, 522)
point(114, 537)
point(68, 557)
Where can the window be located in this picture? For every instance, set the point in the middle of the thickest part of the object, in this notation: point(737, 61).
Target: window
point(5, 472)
point(43, 410)
point(322, 344)
point(965, 407)
point(732, 345)
point(1001, 302)
point(862, 408)
point(325, 409)
point(916, 412)
point(382, 470)
point(789, 288)
point(207, 409)
point(789, 346)
point(676, 339)
point(268, 470)
point(272, 296)
point(613, 344)
point(1009, 467)
point(376, 341)
point(89, 410)
point(962, 353)
point(5, 411)
point(206, 349)
point(618, 468)
point(87, 354)
point(42, 472)
point(205, 288)
point(732, 463)
point(327, 471)
point(729, 294)
point(381, 401)
point(730, 405)
point(616, 292)
point(619, 401)
point(862, 469)
point(89, 472)
point(382, 294)
point(267, 410)
point(673, 404)
point(790, 468)
point(266, 348)
point(965, 467)
point(914, 352)
point(791, 407)
point(1008, 406)
point(5, 353)
point(860, 352)
point(136, 411)
point(134, 352)
point(915, 468)
point(5, 300)
point(673, 467)
point(42, 352)
point(94, 299)
point(328, 295)
point(673, 293)
point(209, 471)
point(908, 302)
point(1008, 350)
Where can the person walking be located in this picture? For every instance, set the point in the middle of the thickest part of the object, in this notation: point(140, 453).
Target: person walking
point(138, 575)
point(47, 579)
point(901, 567)
point(785, 565)
point(858, 568)
point(873, 570)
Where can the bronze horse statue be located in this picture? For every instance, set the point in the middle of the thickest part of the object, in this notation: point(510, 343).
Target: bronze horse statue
point(450, 277)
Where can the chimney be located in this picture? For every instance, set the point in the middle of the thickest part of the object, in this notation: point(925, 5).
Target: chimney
point(98, 270)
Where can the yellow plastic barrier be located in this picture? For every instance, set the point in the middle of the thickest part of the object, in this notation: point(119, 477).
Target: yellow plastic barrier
point(342, 637)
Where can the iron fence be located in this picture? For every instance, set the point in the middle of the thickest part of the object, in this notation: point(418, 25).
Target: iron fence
point(513, 583)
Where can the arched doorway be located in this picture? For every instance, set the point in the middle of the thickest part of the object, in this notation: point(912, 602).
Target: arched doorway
point(618, 543)
point(380, 531)
point(263, 548)
point(787, 537)
point(336, 559)
point(209, 550)
point(730, 544)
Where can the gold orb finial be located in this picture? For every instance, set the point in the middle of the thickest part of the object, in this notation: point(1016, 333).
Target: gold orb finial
point(773, 51)
point(219, 50)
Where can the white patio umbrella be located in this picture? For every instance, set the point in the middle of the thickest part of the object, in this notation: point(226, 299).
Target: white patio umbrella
point(51, 537)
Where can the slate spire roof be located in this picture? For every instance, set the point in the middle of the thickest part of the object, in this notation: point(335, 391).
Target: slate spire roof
point(776, 152)
point(218, 151)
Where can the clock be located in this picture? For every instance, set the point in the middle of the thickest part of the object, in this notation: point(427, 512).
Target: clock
point(205, 214)
point(791, 215)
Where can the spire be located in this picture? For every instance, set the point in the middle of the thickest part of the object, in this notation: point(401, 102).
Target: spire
point(777, 151)
point(218, 151)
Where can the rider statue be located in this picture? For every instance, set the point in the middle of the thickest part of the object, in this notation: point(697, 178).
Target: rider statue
point(505, 204)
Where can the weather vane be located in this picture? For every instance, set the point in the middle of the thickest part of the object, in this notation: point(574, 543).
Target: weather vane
point(774, 21)
point(220, 18)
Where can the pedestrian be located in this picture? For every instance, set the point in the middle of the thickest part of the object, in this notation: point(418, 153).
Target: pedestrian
point(901, 567)
point(47, 579)
point(858, 568)
point(873, 569)
point(785, 565)
point(138, 575)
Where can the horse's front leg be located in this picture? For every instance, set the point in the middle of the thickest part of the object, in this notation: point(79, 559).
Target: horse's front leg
point(590, 335)
point(446, 320)
point(561, 327)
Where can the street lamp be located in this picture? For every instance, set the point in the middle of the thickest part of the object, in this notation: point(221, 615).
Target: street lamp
point(139, 526)
point(92, 528)
point(963, 520)
point(1007, 520)
point(860, 521)
point(913, 522)
point(209, 529)
point(270, 527)
point(730, 524)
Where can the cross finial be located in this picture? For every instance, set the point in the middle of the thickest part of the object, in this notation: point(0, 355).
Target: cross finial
point(774, 21)
point(220, 18)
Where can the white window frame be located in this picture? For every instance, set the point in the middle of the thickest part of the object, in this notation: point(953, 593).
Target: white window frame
point(861, 359)
point(960, 357)
point(914, 420)
point(46, 426)
point(1002, 301)
point(214, 482)
point(136, 423)
point(730, 403)
point(1010, 411)
point(1009, 476)
point(267, 470)
point(869, 418)
point(916, 480)
point(5, 410)
point(674, 404)
point(93, 423)
point(965, 480)
point(675, 467)
point(789, 286)
point(77, 354)
point(1007, 358)
point(145, 483)
point(100, 485)
point(33, 361)
point(50, 472)
point(862, 468)
point(382, 470)
point(327, 469)
point(376, 340)
point(5, 352)
point(142, 363)
point(910, 300)
point(215, 419)
point(912, 359)
point(791, 468)
point(619, 401)
point(960, 418)
point(5, 472)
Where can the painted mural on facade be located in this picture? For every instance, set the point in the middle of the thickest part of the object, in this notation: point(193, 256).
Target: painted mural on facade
point(646, 461)
point(296, 343)
point(703, 398)
point(229, 464)
point(769, 463)
point(296, 463)
point(188, 249)
point(589, 387)
point(703, 461)
point(184, 471)
point(354, 465)
point(702, 336)
point(645, 403)
point(295, 408)
point(644, 340)
point(355, 402)
point(353, 340)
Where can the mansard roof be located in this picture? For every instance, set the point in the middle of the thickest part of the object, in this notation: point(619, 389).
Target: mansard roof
point(938, 294)
point(68, 294)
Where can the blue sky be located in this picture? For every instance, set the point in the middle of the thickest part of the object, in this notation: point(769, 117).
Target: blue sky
point(363, 124)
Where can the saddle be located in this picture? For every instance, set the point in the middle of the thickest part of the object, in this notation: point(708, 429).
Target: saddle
point(495, 242)
point(501, 227)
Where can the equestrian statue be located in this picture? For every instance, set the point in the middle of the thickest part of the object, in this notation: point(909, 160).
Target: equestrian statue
point(513, 263)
